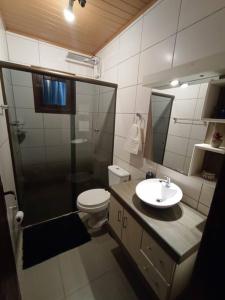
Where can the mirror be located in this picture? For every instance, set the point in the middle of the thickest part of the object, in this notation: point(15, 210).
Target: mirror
point(175, 124)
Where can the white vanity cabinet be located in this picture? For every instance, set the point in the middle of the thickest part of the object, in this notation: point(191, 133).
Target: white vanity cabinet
point(166, 277)
point(125, 227)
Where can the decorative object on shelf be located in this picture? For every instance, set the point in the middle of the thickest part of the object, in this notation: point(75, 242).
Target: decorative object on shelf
point(208, 175)
point(217, 139)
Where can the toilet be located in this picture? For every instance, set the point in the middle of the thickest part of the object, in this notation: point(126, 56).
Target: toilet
point(95, 202)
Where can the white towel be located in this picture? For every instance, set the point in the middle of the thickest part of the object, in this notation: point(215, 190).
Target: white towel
point(133, 143)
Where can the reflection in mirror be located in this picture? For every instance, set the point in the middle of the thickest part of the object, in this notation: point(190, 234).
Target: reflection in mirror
point(174, 134)
point(161, 110)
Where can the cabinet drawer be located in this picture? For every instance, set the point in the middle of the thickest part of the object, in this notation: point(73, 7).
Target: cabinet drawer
point(155, 280)
point(159, 258)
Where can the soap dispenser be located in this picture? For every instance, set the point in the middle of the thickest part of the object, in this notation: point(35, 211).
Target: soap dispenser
point(149, 175)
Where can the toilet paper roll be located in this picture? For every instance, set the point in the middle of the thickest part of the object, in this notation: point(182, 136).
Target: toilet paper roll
point(19, 217)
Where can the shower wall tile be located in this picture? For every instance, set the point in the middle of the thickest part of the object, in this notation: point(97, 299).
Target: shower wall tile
point(128, 72)
point(56, 137)
point(33, 138)
point(56, 121)
point(32, 156)
point(30, 119)
point(21, 78)
point(23, 96)
point(142, 99)
point(126, 100)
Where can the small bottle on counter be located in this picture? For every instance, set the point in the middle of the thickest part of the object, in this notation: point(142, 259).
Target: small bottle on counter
point(149, 175)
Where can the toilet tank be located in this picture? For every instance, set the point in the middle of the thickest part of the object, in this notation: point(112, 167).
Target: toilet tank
point(117, 175)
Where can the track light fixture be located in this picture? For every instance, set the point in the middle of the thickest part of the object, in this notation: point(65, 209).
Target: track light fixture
point(68, 11)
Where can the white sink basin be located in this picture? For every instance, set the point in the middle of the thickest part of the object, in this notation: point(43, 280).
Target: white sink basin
point(156, 193)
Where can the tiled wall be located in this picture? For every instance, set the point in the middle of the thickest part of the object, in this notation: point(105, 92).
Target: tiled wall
point(29, 51)
point(172, 32)
point(183, 134)
point(6, 171)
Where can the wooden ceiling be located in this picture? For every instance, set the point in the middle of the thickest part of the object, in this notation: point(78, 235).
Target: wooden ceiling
point(95, 25)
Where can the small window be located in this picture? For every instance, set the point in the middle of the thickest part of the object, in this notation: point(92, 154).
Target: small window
point(53, 94)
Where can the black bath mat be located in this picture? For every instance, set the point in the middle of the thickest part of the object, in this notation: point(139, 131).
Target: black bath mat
point(43, 241)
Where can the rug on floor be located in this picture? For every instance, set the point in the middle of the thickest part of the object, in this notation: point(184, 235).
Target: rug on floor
point(46, 240)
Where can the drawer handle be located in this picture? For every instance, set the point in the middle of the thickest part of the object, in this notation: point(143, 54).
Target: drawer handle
point(124, 222)
point(149, 248)
point(119, 216)
point(145, 268)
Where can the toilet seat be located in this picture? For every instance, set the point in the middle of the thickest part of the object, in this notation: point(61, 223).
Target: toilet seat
point(94, 199)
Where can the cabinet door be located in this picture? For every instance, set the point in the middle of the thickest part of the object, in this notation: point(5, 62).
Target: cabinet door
point(131, 235)
point(115, 216)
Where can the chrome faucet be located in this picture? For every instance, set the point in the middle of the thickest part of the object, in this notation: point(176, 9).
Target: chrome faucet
point(167, 181)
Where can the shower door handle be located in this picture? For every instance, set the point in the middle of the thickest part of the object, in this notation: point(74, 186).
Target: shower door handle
point(96, 130)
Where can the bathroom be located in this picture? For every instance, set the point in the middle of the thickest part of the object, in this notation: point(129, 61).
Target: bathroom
point(144, 100)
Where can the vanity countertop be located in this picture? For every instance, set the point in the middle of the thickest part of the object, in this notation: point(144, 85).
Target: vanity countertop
point(178, 229)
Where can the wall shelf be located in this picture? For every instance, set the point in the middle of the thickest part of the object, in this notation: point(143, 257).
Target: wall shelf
point(208, 147)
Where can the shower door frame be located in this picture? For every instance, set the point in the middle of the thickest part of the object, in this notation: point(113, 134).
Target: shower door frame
point(51, 72)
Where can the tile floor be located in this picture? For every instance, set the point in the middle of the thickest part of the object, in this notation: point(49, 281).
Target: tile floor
point(90, 272)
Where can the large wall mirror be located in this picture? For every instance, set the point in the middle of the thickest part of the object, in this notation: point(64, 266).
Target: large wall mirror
point(175, 124)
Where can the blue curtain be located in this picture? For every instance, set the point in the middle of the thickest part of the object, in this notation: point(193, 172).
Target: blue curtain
point(54, 92)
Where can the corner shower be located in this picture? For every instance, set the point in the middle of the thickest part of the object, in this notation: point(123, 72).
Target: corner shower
point(61, 132)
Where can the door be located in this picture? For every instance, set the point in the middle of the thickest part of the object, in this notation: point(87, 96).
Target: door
point(115, 216)
point(131, 235)
point(9, 287)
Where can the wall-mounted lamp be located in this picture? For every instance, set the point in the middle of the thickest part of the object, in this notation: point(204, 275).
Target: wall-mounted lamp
point(174, 82)
point(68, 11)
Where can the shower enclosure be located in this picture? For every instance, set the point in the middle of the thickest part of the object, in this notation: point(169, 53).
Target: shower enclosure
point(61, 131)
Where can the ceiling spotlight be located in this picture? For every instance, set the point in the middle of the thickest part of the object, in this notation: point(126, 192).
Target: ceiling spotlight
point(68, 12)
point(184, 85)
point(174, 82)
point(82, 3)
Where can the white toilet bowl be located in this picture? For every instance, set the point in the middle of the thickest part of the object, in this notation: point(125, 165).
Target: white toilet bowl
point(95, 202)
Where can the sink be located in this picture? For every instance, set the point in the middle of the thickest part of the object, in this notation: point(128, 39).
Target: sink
point(157, 193)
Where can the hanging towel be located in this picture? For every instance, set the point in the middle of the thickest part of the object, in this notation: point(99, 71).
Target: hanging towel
point(133, 143)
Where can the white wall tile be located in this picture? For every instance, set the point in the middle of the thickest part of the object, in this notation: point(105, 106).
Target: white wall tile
point(23, 96)
point(119, 150)
point(126, 100)
point(53, 57)
point(130, 41)
point(184, 108)
point(160, 22)
point(179, 129)
point(29, 118)
point(198, 132)
point(3, 42)
point(191, 92)
point(36, 156)
point(128, 72)
point(21, 78)
point(193, 11)
point(174, 161)
point(202, 39)
point(111, 75)
point(177, 144)
point(123, 124)
point(157, 58)
point(33, 138)
point(56, 121)
point(22, 49)
point(142, 99)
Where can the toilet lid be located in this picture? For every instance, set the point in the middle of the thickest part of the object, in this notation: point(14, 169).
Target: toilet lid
point(94, 197)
